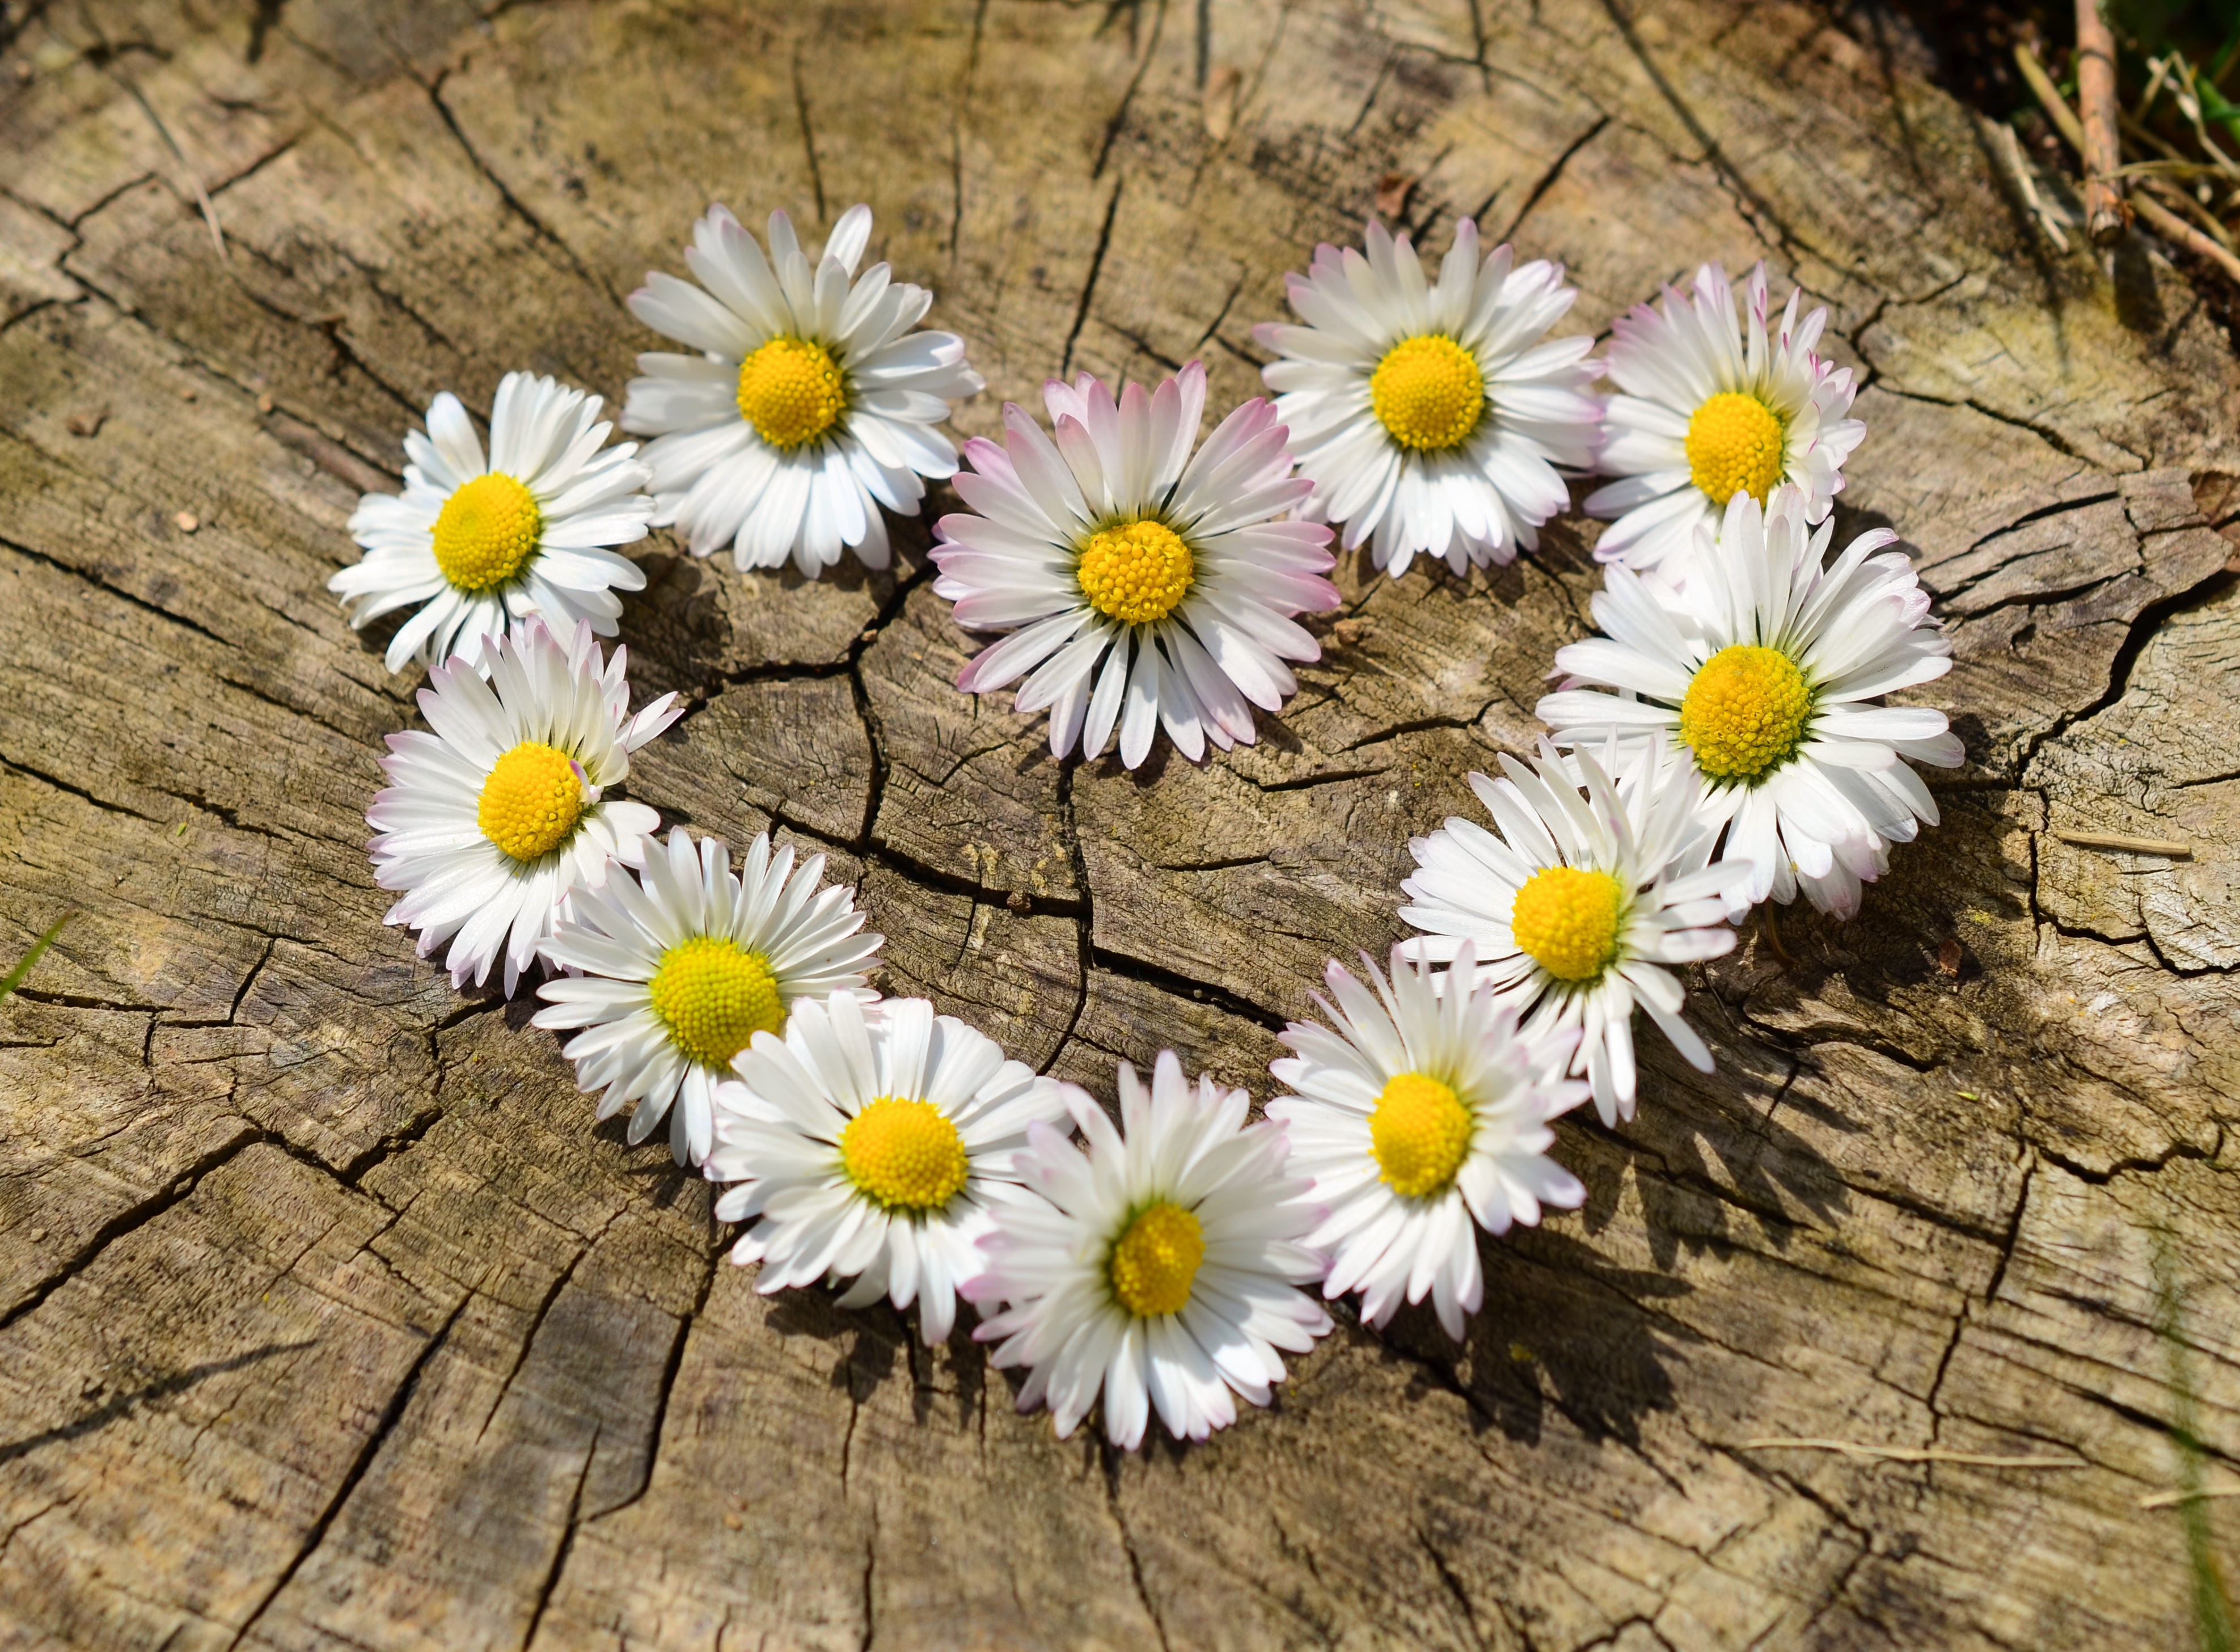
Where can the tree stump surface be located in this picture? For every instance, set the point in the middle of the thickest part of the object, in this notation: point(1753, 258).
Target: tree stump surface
point(327, 1318)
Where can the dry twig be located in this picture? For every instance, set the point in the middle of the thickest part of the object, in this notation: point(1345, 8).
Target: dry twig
point(1912, 1454)
point(2159, 218)
point(2050, 99)
point(2172, 1499)
point(2175, 230)
point(2010, 151)
point(2104, 215)
point(2170, 847)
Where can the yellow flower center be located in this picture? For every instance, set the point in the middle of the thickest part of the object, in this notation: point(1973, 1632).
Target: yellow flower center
point(1744, 713)
point(1137, 572)
point(532, 802)
point(1736, 444)
point(1428, 392)
point(485, 531)
point(904, 1153)
point(1156, 1260)
point(1419, 1134)
point(714, 998)
point(790, 390)
point(1567, 919)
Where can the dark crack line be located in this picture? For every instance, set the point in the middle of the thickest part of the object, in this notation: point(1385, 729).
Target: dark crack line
point(567, 1540)
point(1182, 986)
point(1147, 348)
point(670, 1371)
point(163, 1388)
point(1089, 286)
point(1305, 782)
point(2044, 433)
point(405, 1136)
point(513, 203)
point(1756, 204)
point(1439, 1561)
point(528, 1337)
point(1119, 119)
point(358, 740)
point(2149, 620)
point(2059, 508)
point(956, 131)
point(121, 595)
point(256, 166)
point(1086, 919)
point(1477, 47)
point(84, 795)
point(13, 29)
point(871, 1580)
point(2161, 1160)
point(808, 134)
point(233, 1011)
point(398, 306)
point(1222, 315)
point(1110, 1458)
point(134, 1218)
point(391, 1416)
point(1547, 180)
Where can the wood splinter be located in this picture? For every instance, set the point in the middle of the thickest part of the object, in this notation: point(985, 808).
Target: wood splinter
point(2172, 1499)
point(1911, 1453)
point(2169, 847)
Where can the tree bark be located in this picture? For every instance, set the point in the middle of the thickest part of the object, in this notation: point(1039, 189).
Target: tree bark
point(328, 1319)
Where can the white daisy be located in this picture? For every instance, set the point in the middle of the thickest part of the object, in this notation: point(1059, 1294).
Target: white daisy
point(1422, 1112)
point(874, 1142)
point(1432, 417)
point(1162, 1266)
point(479, 545)
point(1764, 673)
point(1579, 909)
point(673, 974)
point(810, 405)
point(1141, 586)
point(490, 822)
point(1712, 409)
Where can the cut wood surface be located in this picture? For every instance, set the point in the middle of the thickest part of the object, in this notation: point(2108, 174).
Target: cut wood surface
point(328, 1320)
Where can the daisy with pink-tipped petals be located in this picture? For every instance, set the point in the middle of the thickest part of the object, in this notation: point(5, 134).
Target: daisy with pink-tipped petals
point(1141, 586)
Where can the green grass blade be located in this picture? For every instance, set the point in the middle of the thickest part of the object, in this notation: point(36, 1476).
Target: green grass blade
point(2215, 1627)
point(14, 977)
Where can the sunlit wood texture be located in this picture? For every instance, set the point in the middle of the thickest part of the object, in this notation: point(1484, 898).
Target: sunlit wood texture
point(328, 1320)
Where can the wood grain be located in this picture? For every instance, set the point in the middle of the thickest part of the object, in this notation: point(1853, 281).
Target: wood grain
point(327, 1319)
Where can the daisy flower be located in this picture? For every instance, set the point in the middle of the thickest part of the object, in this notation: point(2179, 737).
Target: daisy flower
point(491, 821)
point(1421, 1113)
point(876, 1142)
point(1141, 587)
point(810, 404)
point(1712, 409)
point(1161, 1268)
point(1579, 910)
point(673, 973)
point(1764, 675)
point(479, 545)
point(1433, 418)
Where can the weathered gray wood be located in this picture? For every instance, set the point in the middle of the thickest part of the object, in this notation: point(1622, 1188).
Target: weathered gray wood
point(327, 1320)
